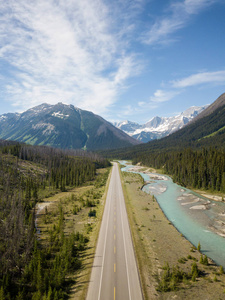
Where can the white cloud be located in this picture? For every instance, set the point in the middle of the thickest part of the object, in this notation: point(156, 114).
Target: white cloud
point(176, 87)
point(177, 17)
point(217, 77)
point(69, 51)
point(163, 96)
point(142, 104)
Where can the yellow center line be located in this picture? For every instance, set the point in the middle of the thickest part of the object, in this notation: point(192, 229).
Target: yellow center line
point(114, 250)
point(114, 293)
point(114, 268)
point(114, 236)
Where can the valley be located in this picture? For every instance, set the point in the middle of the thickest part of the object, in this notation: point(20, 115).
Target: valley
point(55, 204)
point(162, 250)
point(112, 150)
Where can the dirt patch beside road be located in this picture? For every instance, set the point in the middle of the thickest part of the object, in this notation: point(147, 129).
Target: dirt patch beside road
point(157, 243)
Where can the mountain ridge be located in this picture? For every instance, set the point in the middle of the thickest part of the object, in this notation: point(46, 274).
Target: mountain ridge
point(207, 132)
point(219, 102)
point(159, 127)
point(63, 126)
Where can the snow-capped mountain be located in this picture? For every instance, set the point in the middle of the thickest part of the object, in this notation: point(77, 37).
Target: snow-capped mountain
point(159, 127)
point(63, 126)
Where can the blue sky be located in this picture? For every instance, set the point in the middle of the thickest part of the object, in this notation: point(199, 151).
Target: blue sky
point(121, 59)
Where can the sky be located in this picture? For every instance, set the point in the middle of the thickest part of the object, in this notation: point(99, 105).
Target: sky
point(121, 59)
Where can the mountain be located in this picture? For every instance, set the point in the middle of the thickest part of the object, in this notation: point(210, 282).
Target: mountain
point(220, 102)
point(159, 127)
point(63, 126)
point(208, 131)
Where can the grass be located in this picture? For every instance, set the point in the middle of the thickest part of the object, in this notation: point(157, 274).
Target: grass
point(157, 244)
point(76, 205)
point(212, 134)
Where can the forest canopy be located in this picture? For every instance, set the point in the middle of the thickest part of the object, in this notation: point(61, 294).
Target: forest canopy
point(27, 175)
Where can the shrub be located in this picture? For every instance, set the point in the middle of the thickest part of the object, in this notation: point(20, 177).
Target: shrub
point(92, 213)
point(171, 278)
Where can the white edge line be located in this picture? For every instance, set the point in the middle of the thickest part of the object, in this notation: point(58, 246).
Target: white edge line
point(103, 260)
point(128, 281)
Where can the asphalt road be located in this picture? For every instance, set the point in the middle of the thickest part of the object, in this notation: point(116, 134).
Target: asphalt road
point(114, 273)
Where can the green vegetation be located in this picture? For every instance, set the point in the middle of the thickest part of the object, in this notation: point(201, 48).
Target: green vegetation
point(190, 136)
point(200, 169)
point(214, 133)
point(187, 155)
point(72, 128)
point(157, 242)
point(172, 278)
point(34, 266)
point(204, 260)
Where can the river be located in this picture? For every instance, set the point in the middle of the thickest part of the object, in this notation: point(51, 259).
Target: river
point(199, 219)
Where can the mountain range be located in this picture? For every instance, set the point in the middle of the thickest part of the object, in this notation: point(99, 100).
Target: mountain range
point(68, 127)
point(63, 126)
point(159, 127)
point(205, 131)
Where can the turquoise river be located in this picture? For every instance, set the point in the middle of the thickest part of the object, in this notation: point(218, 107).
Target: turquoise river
point(197, 218)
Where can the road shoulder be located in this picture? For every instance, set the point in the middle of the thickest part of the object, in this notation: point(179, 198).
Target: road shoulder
point(157, 242)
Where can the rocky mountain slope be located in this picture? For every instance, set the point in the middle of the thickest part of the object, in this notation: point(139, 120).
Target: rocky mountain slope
point(208, 131)
point(159, 127)
point(63, 126)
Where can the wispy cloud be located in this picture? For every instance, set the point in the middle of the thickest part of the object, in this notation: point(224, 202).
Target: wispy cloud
point(176, 87)
point(176, 17)
point(69, 51)
point(217, 77)
point(163, 96)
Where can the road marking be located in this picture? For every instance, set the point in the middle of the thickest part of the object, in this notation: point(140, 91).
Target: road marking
point(128, 281)
point(103, 259)
point(114, 250)
point(114, 293)
point(114, 236)
point(114, 268)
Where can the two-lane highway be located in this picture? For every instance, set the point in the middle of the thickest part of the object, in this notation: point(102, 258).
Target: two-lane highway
point(114, 273)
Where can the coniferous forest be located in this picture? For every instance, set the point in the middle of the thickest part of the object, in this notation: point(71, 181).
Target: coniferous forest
point(203, 168)
point(194, 155)
point(27, 175)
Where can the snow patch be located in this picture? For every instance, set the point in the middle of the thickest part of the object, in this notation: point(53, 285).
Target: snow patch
point(159, 127)
point(60, 115)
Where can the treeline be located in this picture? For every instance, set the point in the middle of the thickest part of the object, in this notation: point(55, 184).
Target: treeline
point(203, 168)
point(206, 132)
point(27, 175)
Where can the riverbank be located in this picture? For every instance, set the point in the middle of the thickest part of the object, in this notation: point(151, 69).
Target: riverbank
point(211, 196)
point(157, 242)
point(195, 202)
